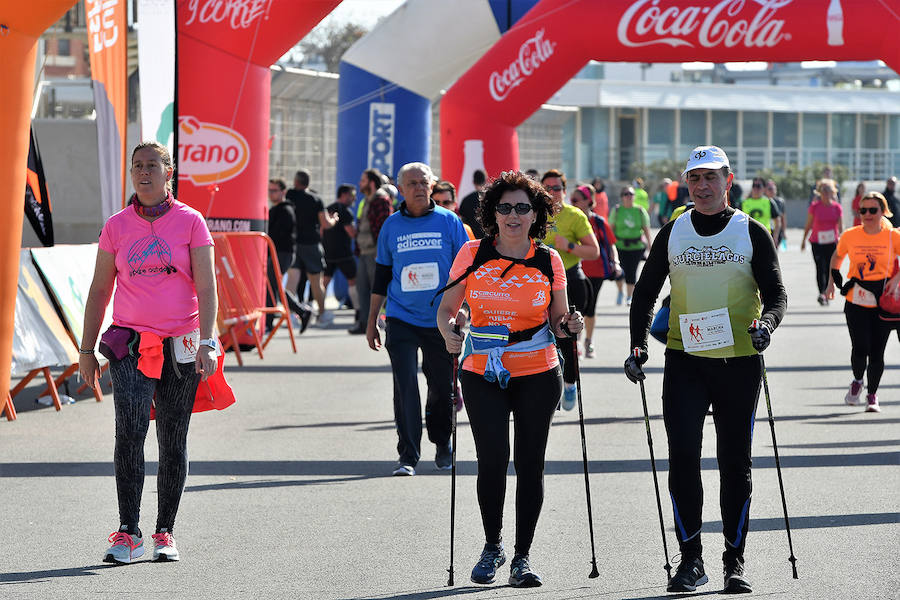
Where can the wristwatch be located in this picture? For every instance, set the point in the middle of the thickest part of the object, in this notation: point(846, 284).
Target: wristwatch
point(571, 246)
point(211, 342)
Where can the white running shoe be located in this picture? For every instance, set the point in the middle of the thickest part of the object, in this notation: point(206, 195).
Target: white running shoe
point(872, 403)
point(853, 394)
point(164, 549)
point(325, 319)
point(402, 470)
point(125, 548)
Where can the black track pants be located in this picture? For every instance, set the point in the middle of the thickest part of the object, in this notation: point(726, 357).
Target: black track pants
point(868, 339)
point(532, 400)
point(403, 342)
point(821, 254)
point(690, 385)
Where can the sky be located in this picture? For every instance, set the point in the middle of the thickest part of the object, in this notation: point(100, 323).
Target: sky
point(362, 11)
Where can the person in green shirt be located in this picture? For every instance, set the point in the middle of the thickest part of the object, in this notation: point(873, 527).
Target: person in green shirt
point(762, 208)
point(661, 202)
point(631, 224)
point(641, 198)
point(570, 233)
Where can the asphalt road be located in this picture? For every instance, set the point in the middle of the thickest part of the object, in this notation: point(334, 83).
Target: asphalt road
point(290, 493)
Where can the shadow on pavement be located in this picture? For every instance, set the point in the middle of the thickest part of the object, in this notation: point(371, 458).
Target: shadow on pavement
point(32, 576)
point(850, 444)
point(424, 594)
point(362, 469)
point(812, 522)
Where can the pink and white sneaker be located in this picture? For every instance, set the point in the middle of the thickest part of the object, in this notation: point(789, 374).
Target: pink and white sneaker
point(872, 403)
point(125, 548)
point(852, 397)
point(164, 549)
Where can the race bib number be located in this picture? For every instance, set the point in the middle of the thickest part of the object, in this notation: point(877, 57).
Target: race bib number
point(706, 330)
point(826, 236)
point(863, 297)
point(420, 277)
point(185, 346)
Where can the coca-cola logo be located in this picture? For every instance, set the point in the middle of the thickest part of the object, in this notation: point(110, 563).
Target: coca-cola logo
point(240, 14)
point(646, 23)
point(533, 53)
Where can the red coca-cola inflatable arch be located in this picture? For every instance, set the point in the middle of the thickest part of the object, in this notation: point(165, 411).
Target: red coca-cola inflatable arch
point(224, 53)
point(557, 37)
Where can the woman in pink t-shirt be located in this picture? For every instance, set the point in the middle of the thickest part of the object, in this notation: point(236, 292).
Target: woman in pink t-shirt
point(159, 253)
point(824, 218)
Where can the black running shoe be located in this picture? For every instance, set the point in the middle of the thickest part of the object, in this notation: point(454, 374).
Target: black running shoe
point(735, 577)
point(443, 458)
point(689, 575)
point(520, 573)
point(491, 557)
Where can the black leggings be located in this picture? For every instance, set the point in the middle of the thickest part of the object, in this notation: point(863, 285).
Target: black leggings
point(630, 260)
point(133, 393)
point(690, 385)
point(822, 258)
point(868, 339)
point(590, 309)
point(579, 292)
point(532, 400)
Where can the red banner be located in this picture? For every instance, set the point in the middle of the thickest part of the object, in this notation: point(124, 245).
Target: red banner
point(540, 54)
point(108, 42)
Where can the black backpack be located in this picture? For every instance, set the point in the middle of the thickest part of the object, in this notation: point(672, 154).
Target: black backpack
point(487, 252)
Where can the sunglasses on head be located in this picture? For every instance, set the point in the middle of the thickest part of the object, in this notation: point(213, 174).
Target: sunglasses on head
point(554, 188)
point(522, 208)
point(872, 210)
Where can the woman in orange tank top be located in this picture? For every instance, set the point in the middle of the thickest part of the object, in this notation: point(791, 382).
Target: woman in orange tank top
point(518, 302)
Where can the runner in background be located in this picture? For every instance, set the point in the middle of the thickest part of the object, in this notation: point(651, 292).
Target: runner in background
point(570, 233)
point(510, 364)
point(711, 358)
point(661, 203)
point(854, 205)
point(641, 198)
point(825, 220)
point(762, 208)
point(631, 225)
point(416, 247)
point(601, 200)
point(605, 267)
point(872, 248)
point(444, 195)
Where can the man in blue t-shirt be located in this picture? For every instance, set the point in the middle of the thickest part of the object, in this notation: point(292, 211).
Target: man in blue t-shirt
point(416, 247)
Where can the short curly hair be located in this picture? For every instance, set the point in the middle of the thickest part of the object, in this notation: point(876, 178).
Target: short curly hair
point(510, 181)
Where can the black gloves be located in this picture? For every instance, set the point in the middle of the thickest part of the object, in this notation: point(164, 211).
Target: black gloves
point(760, 336)
point(633, 370)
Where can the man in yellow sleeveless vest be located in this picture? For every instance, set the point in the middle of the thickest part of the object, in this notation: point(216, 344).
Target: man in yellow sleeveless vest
point(724, 273)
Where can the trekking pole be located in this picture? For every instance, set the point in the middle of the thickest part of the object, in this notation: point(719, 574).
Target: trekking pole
point(453, 400)
point(662, 528)
point(587, 486)
point(787, 524)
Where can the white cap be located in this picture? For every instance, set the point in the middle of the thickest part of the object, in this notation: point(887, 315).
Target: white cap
point(706, 157)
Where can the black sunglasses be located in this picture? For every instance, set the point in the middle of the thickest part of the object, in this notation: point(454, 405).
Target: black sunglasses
point(522, 208)
point(554, 188)
point(872, 210)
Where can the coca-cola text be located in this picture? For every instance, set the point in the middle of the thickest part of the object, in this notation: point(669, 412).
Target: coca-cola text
point(533, 53)
point(646, 23)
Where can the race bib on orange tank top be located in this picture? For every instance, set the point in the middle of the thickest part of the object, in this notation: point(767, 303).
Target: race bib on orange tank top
point(518, 299)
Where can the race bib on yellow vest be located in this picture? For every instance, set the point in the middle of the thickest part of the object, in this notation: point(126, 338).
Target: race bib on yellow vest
point(706, 330)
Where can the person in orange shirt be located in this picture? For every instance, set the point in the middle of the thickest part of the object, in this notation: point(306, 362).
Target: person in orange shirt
point(518, 302)
point(872, 248)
